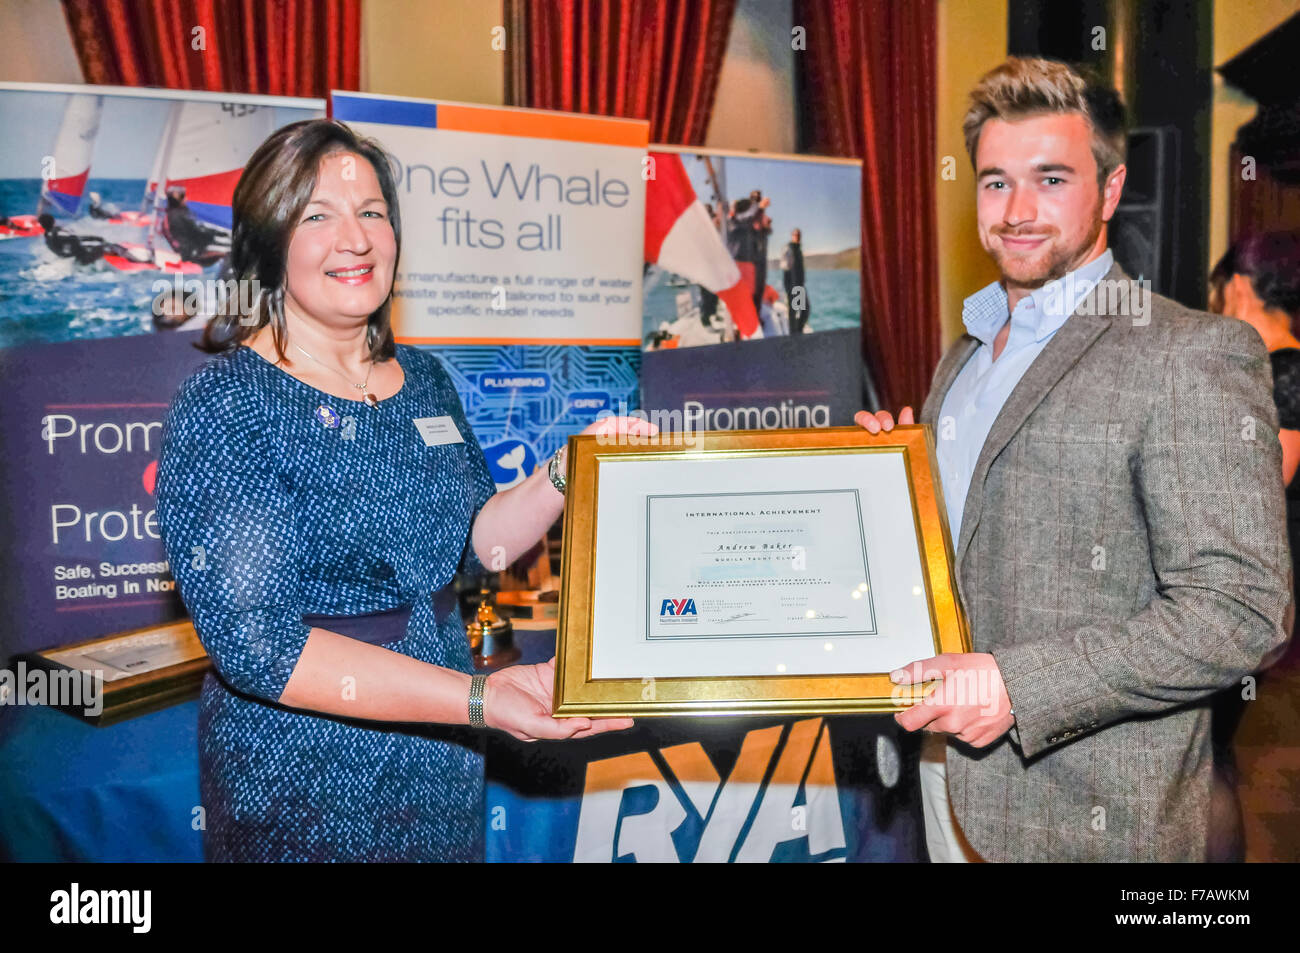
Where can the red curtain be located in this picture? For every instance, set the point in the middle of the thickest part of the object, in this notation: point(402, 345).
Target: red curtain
point(867, 83)
point(278, 47)
point(639, 59)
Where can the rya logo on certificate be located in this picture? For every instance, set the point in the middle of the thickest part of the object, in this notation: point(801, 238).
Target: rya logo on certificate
point(678, 607)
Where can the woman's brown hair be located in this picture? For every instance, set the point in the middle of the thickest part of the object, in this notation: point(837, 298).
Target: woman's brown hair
point(273, 191)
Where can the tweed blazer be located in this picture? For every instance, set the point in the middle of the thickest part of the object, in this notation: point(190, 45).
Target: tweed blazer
point(1123, 555)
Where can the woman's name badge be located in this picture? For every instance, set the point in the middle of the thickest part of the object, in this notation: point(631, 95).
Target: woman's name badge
point(435, 431)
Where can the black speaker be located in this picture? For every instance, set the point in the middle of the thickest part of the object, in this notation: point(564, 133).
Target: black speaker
point(1143, 232)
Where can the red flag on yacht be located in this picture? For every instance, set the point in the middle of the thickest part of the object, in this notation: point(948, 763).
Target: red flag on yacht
point(681, 237)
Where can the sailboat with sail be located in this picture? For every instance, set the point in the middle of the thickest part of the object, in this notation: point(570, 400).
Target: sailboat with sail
point(191, 183)
point(65, 170)
point(63, 188)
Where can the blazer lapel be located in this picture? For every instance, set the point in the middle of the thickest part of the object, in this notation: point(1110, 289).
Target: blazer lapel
point(1062, 352)
point(949, 367)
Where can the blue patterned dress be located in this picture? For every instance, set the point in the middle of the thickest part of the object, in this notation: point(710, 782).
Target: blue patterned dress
point(272, 508)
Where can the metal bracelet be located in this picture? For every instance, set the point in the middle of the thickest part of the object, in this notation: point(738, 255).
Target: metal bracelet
point(476, 686)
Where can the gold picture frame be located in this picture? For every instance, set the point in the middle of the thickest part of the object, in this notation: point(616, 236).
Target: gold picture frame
point(578, 693)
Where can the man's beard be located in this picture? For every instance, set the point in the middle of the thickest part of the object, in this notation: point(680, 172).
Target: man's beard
point(1034, 273)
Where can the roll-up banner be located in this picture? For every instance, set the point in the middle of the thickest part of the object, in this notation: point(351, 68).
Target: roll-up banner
point(521, 262)
point(114, 224)
point(752, 300)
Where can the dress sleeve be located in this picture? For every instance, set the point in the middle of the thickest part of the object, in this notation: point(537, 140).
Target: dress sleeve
point(227, 522)
point(481, 485)
point(1286, 387)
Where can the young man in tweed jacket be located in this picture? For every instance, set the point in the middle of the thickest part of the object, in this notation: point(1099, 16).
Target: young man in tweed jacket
point(1112, 475)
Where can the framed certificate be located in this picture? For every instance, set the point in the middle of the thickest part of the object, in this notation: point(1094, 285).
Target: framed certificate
point(129, 673)
point(779, 571)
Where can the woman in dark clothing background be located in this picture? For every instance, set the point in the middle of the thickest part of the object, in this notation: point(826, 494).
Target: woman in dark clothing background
point(1258, 281)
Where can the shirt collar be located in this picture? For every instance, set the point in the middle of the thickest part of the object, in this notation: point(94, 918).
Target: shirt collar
point(1045, 309)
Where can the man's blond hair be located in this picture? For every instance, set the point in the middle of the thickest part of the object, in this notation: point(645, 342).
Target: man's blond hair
point(1026, 86)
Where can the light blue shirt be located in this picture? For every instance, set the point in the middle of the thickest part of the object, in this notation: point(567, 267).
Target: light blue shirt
point(983, 384)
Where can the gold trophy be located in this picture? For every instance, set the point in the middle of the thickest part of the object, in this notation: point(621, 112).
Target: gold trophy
point(491, 638)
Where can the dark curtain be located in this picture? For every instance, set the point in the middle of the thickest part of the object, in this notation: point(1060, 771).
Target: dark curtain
point(867, 90)
point(277, 47)
point(638, 59)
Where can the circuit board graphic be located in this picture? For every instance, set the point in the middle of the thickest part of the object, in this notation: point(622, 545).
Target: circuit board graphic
point(524, 401)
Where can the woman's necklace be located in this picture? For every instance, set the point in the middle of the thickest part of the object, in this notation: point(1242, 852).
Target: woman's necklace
point(368, 397)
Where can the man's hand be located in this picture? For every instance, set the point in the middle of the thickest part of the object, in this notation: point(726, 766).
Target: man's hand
point(882, 420)
point(971, 703)
point(622, 426)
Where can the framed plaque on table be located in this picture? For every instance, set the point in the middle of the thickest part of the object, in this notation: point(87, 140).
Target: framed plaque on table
point(752, 572)
point(126, 674)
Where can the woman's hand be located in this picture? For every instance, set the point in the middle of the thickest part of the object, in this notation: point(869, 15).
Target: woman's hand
point(882, 419)
point(518, 701)
point(618, 426)
point(515, 519)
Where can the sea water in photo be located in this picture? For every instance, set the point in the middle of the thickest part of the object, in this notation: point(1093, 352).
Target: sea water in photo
point(45, 298)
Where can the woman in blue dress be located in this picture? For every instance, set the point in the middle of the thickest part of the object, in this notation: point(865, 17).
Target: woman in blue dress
point(318, 488)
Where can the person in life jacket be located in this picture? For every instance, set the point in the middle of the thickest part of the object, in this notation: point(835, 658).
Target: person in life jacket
point(188, 237)
point(84, 249)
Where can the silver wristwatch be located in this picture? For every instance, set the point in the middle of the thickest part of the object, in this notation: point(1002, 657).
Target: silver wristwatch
point(556, 474)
